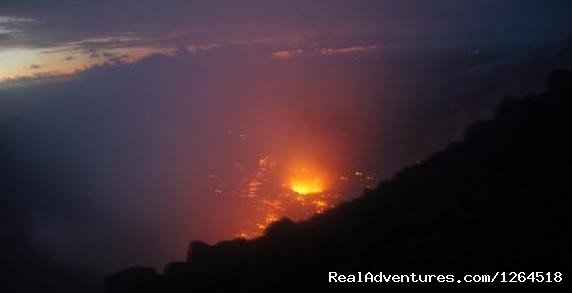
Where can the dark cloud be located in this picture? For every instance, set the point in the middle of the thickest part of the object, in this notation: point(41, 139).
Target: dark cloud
point(119, 59)
point(94, 55)
point(36, 66)
point(177, 22)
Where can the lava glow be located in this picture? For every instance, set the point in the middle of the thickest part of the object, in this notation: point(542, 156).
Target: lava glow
point(305, 187)
point(274, 189)
point(306, 181)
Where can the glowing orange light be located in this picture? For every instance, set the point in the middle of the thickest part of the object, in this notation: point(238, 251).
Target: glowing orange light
point(306, 187)
point(306, 181)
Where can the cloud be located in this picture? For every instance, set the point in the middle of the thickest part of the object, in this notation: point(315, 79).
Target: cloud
point(347, 50)
point(90, 29)
point(118, 59)
point(178, 23)
point(332, 26)
point(10, 27)
point(11, 20)
point(36, 66)
point(287, 53)
point(4, 35)
point(94, 54)
point(202, 47)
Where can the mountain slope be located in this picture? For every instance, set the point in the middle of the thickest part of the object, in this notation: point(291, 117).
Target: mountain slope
point(497, 201)
point(472, 94)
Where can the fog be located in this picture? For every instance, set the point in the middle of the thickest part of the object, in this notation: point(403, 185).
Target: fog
point(132, 161)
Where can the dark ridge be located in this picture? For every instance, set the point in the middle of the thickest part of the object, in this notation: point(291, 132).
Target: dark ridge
point(497, 201)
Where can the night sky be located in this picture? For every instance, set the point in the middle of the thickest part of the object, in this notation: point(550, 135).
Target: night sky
point(129, 128)
point(60, 36)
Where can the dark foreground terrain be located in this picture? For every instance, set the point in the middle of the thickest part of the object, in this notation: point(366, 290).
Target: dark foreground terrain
point(497, 201)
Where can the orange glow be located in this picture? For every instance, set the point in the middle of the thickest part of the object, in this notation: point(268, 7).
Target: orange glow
point(294, 188)
point(275, 190)
point(62, 60)
point(306, 187)
point(306, 179)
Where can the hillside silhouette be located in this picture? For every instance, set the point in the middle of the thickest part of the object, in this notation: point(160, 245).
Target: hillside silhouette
point(499, 200)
